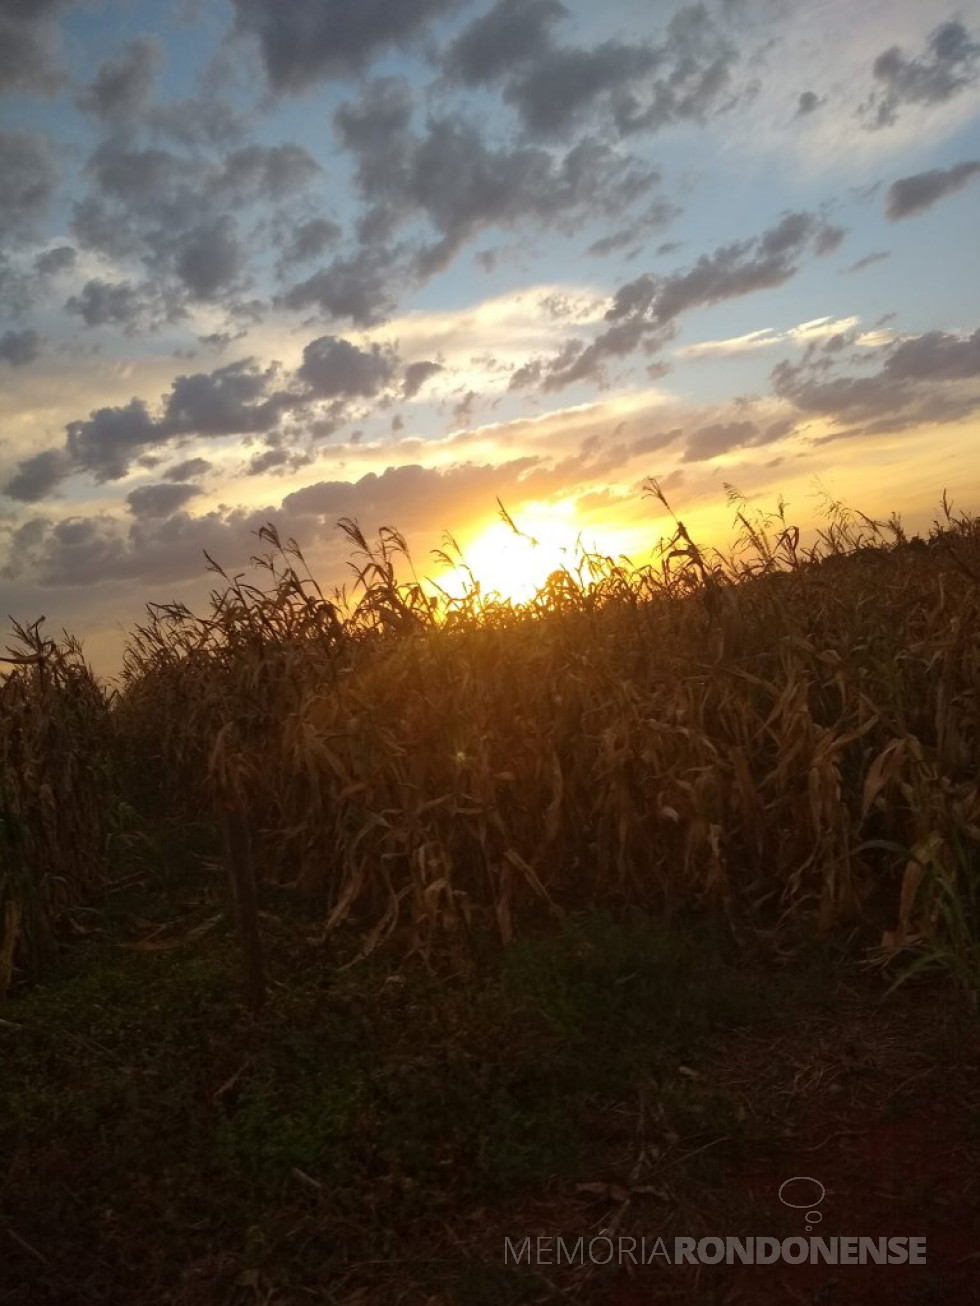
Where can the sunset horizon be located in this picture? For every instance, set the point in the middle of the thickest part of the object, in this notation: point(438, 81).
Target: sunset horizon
point(296, 263)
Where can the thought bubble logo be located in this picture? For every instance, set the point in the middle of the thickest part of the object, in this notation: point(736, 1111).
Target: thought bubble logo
point(812, 1216)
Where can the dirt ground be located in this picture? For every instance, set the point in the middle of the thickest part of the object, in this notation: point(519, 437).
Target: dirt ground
point(877, 1105)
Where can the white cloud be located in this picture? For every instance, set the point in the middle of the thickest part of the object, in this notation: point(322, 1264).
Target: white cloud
point(819, 328)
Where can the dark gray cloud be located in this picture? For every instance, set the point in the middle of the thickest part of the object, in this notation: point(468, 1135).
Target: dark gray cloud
point(19, 347)
point(361, 287)
point(336, 369)
point(29, 46)
point(232, 400)
point(38, 476)
point(189, 470)
point(29, 180)
point(406, 496)
point(915, 194)
point(808, 103)
point(195, 121)
point(660, 214)
point(718, 438)
point(107, 442)
point(220, 340)
point(948, 65)
point(636, 87)
point(210, 258)
point(277, 462)
point(696, 62)
point(158, 549)
point(16, 289)
point(827, 239)
point(731, 271)
point(936, 355)
point(238, 399)
point(877, 256)
point(179, 189)
point(510, 33)
point(52, 261)
point(97, 225)
point(83, 551)
point(929, 378)
point(123, 86)
point(102, 303)
point(161, 500)
point(308, 240)
point(305, 41)
point(561, 83)
point(416, 375)
point(643, 311)
point(176, 211)
point(266, 172)
point(375, 129)
point(461, 185)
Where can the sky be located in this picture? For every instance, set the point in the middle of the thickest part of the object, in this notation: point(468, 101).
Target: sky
point(292, 261)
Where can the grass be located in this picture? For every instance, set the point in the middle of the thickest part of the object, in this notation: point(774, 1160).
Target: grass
point(144, 1109)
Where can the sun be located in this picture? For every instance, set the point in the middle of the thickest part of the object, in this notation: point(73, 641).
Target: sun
point(516, 566)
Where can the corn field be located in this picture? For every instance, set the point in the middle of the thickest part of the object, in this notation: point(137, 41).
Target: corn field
point(56, 795)
point(785, 737)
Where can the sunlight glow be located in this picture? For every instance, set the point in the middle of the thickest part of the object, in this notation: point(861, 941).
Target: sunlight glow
point(516, 566)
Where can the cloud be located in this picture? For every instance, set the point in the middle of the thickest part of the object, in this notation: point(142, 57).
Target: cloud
point(928, 378)
point(733, 270)
point(29, 47)
point(948, 66)
point(231, 400)
point(29, 180)
point(821, 328)
point(239, 398)
point(718, 438)
point(159, 500)
point(416, 375)
point(876, 256)
point(461, 185)
point(38, 476)
point(304, 41)
point(696, 62)
point(334, 368)
point(561, 83)
point(188, 470)
point(915, 194)
point(936, 355)
point(660, 214)
point(19, 348)
point(176, 211)
point(210, 257)
point(53, 261)
point(101, 303)
point(510, 33)
point(808, 103)
point(123, 87)
point(360, 287)
point(82, 551)
point(644, 311)
point(195, 121)
point(110, 438)
point(827, 239)
point(266, 172)
point(308, 240)
point(277, 462)
point(550, 86)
